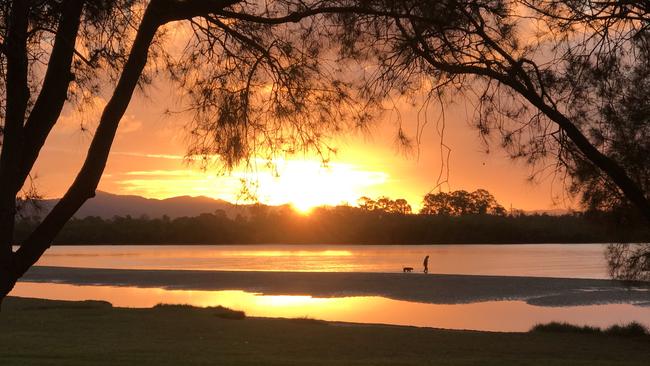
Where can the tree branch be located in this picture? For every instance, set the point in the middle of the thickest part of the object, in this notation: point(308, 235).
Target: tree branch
point(17, 97)
point(158, 12)
point(54, 91)
point(610, 167)
point(297, 16)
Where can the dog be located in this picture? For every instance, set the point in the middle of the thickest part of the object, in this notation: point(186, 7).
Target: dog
point(407, 269)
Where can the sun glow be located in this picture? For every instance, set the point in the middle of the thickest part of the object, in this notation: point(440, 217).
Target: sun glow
point(303, 184)
point(306, 184)
point(304, 208)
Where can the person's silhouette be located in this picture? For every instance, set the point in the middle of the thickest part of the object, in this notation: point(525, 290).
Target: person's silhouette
point(426, 264)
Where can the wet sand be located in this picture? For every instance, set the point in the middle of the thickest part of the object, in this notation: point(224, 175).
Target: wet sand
point(416, 287)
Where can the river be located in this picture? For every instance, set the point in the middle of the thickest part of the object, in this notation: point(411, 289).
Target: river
point(539, 260)
point(584, 261)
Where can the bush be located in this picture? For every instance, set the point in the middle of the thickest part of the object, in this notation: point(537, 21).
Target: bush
point(633, 329)
point(225, 313)
point(557, 327)
point(218, 311)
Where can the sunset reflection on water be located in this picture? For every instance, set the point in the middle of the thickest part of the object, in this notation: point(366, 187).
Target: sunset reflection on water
point(287, 253)
point(542, 260)
point(489, 316)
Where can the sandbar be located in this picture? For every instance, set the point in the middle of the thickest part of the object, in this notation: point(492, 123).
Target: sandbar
point(415, 287)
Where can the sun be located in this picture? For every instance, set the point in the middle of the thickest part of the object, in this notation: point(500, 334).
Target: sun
point(307, 184)
point(303, 208)
point(301, 183)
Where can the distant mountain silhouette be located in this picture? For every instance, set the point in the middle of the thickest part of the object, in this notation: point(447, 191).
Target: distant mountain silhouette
point(107, 205)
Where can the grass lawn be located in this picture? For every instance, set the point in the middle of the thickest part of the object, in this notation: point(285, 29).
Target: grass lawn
point(40, 332)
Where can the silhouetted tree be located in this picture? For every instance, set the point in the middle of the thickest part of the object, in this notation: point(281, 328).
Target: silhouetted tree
point(523, 62)
point(385, 204)
point(561, 83)
point(256, 84)
point(629, 262)
point(437, 204)
point(484, 203)
point(255, 87)
point(610, 76)
point(367, 203)
point(460, 203)
point(401, 206)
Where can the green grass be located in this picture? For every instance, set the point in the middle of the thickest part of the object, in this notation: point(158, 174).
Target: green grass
point(38, 332)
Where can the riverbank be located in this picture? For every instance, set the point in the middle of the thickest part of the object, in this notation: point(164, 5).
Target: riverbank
point(344, 225)
point(432, 288)
point(42, 332)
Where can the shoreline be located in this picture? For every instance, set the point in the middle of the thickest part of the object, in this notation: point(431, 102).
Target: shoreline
point(431, 288)
point(131, 243)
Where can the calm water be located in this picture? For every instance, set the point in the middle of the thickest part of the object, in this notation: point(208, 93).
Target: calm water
point(489, 316)
point(548, 260)
point(541, 260)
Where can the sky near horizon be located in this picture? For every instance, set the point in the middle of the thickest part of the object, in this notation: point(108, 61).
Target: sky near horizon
point(147, 159)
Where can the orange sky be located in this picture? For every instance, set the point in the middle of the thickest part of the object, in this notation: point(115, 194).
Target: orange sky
point(146, 160)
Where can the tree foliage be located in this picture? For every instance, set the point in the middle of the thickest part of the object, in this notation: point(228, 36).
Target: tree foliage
point(629, 262)
point(254, 88)
point(532, 68)
point(555, 83)
point(459, 203)
point(385, 204)
point(623, 129)
point(552, 79)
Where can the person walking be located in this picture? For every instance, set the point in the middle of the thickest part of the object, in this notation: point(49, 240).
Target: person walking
point(426, 264)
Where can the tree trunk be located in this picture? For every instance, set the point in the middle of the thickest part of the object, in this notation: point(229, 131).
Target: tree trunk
point(88, 177)
point(7, 283)
point(54, 91)
point(158, 12)
point(17, 98)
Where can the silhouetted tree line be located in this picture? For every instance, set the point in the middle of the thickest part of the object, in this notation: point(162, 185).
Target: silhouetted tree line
point(344, 225)
point(385, 204)
point(459, 203)
point(456, 203)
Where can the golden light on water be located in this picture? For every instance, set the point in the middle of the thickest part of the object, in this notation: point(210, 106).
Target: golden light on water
point(285, 253)
point(291, 301)
point(490, 315)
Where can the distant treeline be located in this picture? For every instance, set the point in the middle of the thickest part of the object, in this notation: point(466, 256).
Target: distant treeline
point(345, 225)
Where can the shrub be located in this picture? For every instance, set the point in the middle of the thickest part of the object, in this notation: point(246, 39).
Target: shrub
point(218, 311)
point(633, 329)
point(557, 327)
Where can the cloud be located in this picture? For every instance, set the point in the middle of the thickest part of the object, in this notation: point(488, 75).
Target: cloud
point(75, 119)
point(152, 156)
point(165, 173)
point(88, 115)
point(171, 183)
point(301, 183)
point(129, 124)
